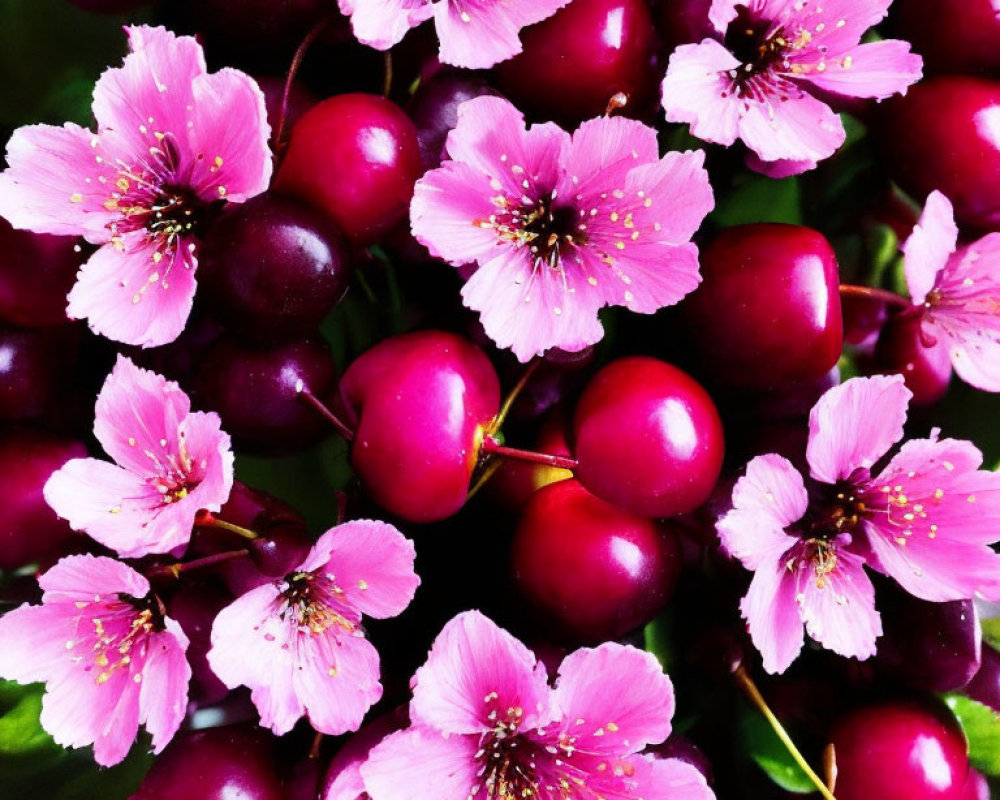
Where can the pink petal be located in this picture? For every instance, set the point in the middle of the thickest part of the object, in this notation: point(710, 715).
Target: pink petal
point(372, 562)
point(782, 168)
point(383, 23)
point(772, 614)
point(925, 531)
point(55, 184)
point(420, 764)
point(211, 454)
point(722, 12)
point(698, 90)
point(33, 643)
point(927, 249)
point(163, 692)
point(79, 577)
point(854, 424)
point(474, 667)
point(622, 695)
point(838, 607)
point(766, 500)
point(834, 25)
point(667, 779)
point(602, 151)
point(131, 298)
point(343, 776)
point(228, 136)
point(878, 69)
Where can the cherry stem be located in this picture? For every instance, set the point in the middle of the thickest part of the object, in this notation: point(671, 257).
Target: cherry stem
point(325, 412)
point(293, 70)
point(745, 682)
point(887, 297)
point(492, 446)
point(616, 102)
point(174, 570)
point(316, 744)
point(513, 394)
point(341, 499)
point(387, 72)
point(208, 519)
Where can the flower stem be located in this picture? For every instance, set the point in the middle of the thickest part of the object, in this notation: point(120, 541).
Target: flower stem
point(490, 445)
point(174, 570)
point(513, 394)
point(293, 70)
point(317, 742)
point(325, 412)
point(209, 520)
point(387, 72)
point(885, 296)
point(745, 682)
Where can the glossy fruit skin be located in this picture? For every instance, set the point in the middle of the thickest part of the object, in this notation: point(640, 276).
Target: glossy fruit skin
point(901, 350)
point(683, 22)
point(235, 761)
point(944, 134)
point(587, 570)
point(648, 438)
point(300, 100)
point(253, 389)
point(767, 312)
point(976, 787)
point(985, 684)
point(194, 607)
point(29, 529)
point(273, 268)
point(36, 273)
point(34, 365)
point(954, 38)
point(419, 404)
point(575, 61)
point(899, 750)
point(355, 157)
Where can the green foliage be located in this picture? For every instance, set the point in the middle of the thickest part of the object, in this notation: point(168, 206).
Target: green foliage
point(761, 743)
point(981, 726)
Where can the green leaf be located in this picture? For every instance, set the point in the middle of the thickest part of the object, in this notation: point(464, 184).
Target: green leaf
point(659, 636)
point(981, 725)
point(20, 731)
point(756, 198)
point(991, 629)
point(762, 744)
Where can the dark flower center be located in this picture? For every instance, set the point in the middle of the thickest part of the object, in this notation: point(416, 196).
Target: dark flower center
point(833, 510)
point(508, 769)
point(749, 40)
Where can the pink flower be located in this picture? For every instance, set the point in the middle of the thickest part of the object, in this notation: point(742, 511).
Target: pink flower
point(561, 226)
point(926, 520)
point(109, 657)
point(958, 289)
point(298, 642)
point(486, 724)
point(170, 463)
point(760, 80)
point(473, 34)
point(172, 144)
point(343, 776)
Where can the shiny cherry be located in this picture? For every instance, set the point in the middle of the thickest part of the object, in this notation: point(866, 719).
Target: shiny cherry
point(355, 157)
point(976, 787)
point(300, 100)
point(767, 312)
point(514, 482)
point(235, 761)
point(899, 750)
point(194, 607)
point(255, 390)
point(961, 38)
point(648, 438)
point(925, 366)
point(419, 404)
point(985, 684)
point(273, 268)
point(574, 62)
point(587, 570)
point(29, 529)
point(945, 134)
point(36, 273)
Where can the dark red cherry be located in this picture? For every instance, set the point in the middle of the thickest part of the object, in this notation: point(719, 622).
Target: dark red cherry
point(194, 607)
point(255, 389)
point(985, 684)
point(34, 367)
point(236, 761)
point(300, 100)
point(273, 268)
point(961, 38)
point(767, 312)
point(683, 21)
point(925, 365)
point(355, 157)
point(648, 438)
point(945, 134)
point(899, 750)
point(36, 273)
point(574, 62)
point(30, 530)
point(587, 570)
point(863, 321)
point(419, 403)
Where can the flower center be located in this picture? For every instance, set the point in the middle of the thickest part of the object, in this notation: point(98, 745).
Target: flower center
point(748, 39)
point(545, 228)
point(508, 768)
point(317, 604)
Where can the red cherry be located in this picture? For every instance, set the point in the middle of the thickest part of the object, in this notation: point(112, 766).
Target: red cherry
point(356, 158)
point(300, 100)
point(961, 38)
point(683, 22)
point(34, 365)
point(768, 310)
point(902, 350)
point(419, 404)
point(985, 684)
point(590, 571)
point(29, 529)
point(648, 438)
point(945, 134)
point(899, 751)
point(976, 787)
point(194, 607)
point(574, 62)
point(514, 482)
point(36, 274)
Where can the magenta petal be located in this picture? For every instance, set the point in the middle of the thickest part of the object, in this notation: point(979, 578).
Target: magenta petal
point(668, 779)
point(337, 679)
point(772, 614)
point(878, 70)
point(420, 764)
point(620, 716)
point(33, 643)
point(163, 692)
point(782, 168)
point(854, 424)
point(383, 23)
point(73, 579)
point(475, 666)
point(602, 151)
point(787, 124)
point(698, 90)
point(927, 249)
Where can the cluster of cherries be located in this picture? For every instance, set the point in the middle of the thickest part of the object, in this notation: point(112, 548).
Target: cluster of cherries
point(577, 505)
